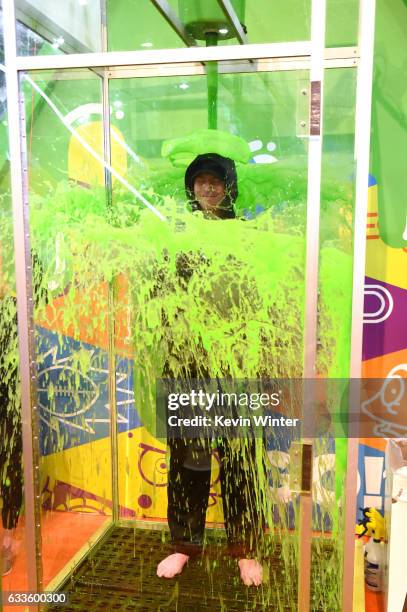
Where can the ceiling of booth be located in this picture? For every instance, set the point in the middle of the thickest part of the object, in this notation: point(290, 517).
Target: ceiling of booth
point(136, 24)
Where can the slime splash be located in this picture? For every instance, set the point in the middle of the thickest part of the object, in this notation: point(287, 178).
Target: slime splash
point(227, 296)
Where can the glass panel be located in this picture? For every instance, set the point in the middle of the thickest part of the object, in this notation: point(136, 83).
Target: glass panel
point(265, 22)
point(388, 205)
point(277, 22)
point(336, 284)
point(162, 122)
point(13, 561)
point(137, 26)
point(342, 23)
point(187, 291)
point(73, 26)
point(30, 43)
point(63, 118)
point(132, 26)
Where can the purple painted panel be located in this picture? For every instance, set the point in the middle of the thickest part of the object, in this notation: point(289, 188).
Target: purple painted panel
point(385, 319)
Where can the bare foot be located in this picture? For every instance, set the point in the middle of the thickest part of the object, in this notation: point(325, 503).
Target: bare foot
point(251, 572)
point(172, 565)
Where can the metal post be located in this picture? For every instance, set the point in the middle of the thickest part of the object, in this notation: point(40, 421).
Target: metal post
point(312, 261)
point(362, 155)
point(112, 284)
point(166, 56)
point(23, 269)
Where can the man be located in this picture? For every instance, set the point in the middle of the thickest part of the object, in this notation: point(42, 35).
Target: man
point(11, 441)
point(211, 187)
point(11, 481)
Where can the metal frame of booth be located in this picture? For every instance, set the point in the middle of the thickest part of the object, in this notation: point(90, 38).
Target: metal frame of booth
point(310, 55)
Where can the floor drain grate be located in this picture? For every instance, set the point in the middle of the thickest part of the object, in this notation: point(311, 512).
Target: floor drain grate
point(120, 574)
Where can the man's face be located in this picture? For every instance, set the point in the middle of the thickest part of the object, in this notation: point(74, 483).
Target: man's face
point(209, 191)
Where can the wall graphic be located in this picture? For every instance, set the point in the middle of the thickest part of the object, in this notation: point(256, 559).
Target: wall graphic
point(384, 348)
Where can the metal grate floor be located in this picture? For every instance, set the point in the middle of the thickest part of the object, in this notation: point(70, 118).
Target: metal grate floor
point(120, 574)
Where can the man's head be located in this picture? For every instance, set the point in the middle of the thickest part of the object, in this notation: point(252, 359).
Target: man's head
point(211, 184)
point(209, 191)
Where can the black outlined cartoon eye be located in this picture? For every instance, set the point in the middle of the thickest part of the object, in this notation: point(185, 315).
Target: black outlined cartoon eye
point(153, 468)
point(152, 465)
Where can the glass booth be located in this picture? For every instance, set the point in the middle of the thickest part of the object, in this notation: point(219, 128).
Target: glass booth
point(122, 283)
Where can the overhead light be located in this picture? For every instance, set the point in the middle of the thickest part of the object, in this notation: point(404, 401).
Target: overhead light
point(223, 31)
point(119, 114)
point(147, 44)
point(271, 146)
point(184, 86)
point(118, 103)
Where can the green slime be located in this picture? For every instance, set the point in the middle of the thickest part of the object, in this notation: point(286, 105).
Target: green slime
point(240, 313)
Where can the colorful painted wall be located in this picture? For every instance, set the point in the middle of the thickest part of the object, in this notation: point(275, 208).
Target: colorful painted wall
point(385, 330)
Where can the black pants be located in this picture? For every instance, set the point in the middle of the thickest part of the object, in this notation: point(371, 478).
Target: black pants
point(188, 494)
point(11, 479)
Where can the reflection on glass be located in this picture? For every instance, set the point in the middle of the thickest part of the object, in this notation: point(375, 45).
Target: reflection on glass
point(203, 18)
point(76, 27)
point(262, 21)
point(63, 118)
point(13, 562)
point(133, 27)
point(138, 26)
point(341, 23)
point(204, 295)
point(73, 26)
point(226, 297)
point(28, 43)
point(336, 240)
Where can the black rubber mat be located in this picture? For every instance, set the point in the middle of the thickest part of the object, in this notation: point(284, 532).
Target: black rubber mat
point(120, 574)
